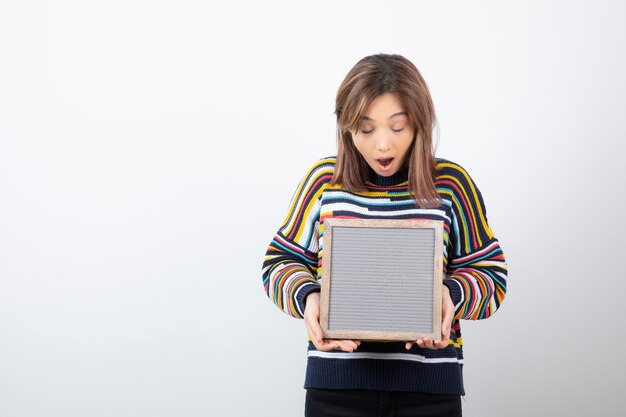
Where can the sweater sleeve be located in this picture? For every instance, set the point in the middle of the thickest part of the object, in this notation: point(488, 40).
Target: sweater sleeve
point(290, 267)
point(476, 270)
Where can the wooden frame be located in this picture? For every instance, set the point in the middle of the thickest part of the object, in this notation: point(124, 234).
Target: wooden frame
point(356, 303)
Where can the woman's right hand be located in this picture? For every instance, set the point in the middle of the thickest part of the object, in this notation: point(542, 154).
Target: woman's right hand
point(313, 328)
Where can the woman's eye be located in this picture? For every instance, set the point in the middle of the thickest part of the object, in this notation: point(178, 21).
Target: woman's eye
point(398, 130)
point(366, 132)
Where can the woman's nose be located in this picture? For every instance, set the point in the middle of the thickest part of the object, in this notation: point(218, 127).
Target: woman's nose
point(383, 142)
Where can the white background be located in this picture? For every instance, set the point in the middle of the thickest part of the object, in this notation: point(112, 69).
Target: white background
point(149, 149)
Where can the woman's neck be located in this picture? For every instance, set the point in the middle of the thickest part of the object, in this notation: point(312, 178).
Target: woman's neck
point(399, 177)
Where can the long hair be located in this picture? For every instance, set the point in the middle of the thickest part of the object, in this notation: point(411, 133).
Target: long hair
point(372, 77)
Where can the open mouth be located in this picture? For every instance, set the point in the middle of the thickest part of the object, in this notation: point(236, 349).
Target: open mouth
point(384, 162)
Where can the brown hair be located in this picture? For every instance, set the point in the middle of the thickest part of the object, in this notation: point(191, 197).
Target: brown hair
point(371, 77)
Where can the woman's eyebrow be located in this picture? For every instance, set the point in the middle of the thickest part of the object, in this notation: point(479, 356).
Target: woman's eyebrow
point(400, 113)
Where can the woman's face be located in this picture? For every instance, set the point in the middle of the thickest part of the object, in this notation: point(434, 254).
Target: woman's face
point(384, 135)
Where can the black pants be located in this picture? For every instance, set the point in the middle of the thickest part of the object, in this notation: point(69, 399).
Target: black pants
point(353, 403)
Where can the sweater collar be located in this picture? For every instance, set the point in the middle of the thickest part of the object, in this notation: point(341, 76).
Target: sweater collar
point(399, 177)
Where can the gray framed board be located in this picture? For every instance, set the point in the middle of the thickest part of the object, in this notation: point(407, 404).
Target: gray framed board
point(381, 279)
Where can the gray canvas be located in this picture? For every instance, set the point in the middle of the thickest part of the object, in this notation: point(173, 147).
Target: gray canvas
point(382, 279)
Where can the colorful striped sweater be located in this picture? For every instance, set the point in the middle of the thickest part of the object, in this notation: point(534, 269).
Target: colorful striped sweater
point(474, 270)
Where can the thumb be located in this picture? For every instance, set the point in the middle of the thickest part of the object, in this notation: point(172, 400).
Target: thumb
point(315, 331)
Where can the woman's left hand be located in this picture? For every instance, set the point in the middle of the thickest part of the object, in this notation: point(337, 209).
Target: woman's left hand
point(447, 314)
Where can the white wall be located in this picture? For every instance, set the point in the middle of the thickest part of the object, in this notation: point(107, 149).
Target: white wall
point(148, 151)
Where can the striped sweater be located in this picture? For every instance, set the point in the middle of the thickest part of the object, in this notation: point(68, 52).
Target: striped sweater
point(473, 263)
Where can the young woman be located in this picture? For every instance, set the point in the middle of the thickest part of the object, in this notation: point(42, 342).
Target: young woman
point(385, 168)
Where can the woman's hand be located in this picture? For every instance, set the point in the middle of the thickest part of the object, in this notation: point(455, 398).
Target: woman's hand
point(447, 314)
point(313, 328)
